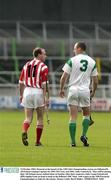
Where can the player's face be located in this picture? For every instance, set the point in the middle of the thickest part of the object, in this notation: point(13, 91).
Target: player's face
point(75, 49)
point(43, 55)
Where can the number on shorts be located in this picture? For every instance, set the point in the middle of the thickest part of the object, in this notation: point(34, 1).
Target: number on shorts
point(84, 65)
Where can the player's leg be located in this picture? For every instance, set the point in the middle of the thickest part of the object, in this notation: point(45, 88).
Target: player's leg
point(91, 120)
point(72, 102)
point(26, 124)
point(39, 127)
point(72, 123)
point(84, 97)
point(86, 120)
point(85, 124)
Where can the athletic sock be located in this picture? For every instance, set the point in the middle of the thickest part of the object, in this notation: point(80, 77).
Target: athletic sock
point(39, 130)
point(72, 131)
point(85, 125)
point(25, 126)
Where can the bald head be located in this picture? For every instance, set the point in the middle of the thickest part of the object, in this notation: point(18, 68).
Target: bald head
point(79, 47)
point(39, 53)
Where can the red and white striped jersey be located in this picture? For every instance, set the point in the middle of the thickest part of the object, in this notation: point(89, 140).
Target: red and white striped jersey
point(34, 74)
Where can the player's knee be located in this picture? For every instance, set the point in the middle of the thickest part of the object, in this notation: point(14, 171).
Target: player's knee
point(86, 112)
point(28, 121)
point(39, 122)
point(86, 117)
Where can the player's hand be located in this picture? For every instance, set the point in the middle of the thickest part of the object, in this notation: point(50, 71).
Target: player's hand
point(46, 102)
point(62, 94)
point(91, 95)
point(20, 98)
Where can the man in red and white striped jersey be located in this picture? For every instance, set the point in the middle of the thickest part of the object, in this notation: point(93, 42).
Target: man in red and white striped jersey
point(34, 92)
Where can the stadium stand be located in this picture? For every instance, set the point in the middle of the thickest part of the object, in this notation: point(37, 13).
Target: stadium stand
point(17, 39)
point(56, 26)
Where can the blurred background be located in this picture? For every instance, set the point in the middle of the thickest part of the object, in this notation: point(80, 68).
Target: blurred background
point(54, 25)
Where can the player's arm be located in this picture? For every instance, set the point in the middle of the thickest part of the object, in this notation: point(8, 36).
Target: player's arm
point(47, 88)
point(94, 78)
point(46, 92)
point(67, 68)
point(45, 85)
point(94, 85)
point(63, 80)
point(21, 89)
point(21, 85)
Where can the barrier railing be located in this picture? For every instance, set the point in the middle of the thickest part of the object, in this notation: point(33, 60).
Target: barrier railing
point(9, 82)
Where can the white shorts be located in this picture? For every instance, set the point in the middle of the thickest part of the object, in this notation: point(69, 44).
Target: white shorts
point(78, 97)
point(32, 98)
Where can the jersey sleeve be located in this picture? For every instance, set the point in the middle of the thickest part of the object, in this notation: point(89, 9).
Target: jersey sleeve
point(21, 79)
point(94, 71)
point(44, 74)
point(67, 67)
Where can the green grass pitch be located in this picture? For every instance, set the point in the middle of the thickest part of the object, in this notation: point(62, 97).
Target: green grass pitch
point(56, 151)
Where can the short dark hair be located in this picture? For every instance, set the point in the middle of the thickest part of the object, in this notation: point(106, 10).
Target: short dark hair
point(37, 51)
point(81, 45)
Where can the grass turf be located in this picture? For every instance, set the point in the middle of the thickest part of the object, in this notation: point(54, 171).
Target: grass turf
point(56, 151)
